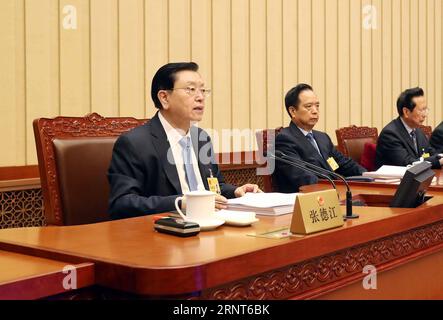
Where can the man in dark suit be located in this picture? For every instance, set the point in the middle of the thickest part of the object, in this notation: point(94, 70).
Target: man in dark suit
point(300, 141)
point(155, 163)
point(436, 140)
point(402, 142)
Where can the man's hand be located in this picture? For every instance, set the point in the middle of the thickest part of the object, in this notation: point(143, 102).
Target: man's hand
point(240, 191)
point(220, 202)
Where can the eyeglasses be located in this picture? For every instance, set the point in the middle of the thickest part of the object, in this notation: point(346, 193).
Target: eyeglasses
point(192, 91)
point(423, 111)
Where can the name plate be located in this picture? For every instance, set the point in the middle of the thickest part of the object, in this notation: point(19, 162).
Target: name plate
point(316, 211)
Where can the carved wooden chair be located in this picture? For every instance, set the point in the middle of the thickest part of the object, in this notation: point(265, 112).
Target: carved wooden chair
point(73, 156)
point(427, 131)
point(265, 141)
point(351, 140)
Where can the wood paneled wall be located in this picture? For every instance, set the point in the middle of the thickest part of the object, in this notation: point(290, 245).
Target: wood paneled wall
point(72, 57)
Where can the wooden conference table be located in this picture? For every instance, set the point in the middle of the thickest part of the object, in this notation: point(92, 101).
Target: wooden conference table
point(128, 257)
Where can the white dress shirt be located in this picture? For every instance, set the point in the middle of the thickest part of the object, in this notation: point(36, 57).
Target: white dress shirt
point(174, 136)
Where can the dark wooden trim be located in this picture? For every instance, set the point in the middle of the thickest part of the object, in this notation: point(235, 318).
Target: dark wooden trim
point(20, 184)
point(19, 172)
point(317, 276)
point(237, 158)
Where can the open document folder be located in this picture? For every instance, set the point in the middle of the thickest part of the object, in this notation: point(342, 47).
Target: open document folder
point(269, 204)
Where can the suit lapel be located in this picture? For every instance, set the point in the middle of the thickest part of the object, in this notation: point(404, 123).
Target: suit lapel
point(422, 142)
point(162, 146)
point(405, 135)
point(323, 149)
point(197, 144)
point(306, 145)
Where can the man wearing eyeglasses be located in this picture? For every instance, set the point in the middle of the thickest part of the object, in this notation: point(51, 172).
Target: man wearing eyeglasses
point(155, 163)
point(300, 141)
point(402, 142)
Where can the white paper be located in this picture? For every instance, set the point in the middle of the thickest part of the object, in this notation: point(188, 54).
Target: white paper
point(264, 200)
point(387, 172)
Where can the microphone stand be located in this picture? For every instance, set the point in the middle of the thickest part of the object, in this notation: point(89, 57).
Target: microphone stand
point(349, 213)
point(297, 165)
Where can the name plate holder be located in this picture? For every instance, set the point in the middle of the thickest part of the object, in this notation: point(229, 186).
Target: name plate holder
point(316, 211)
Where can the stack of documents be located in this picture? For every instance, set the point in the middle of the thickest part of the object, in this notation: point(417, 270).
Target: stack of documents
point(387, 173)
point(268, 204)
point(390, 174)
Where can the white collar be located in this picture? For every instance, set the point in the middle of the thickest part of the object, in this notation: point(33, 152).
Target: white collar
point(174, 134)
point(305, 133)
point(408, 128)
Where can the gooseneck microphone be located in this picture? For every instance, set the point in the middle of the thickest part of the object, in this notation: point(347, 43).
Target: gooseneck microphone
point(304, 165)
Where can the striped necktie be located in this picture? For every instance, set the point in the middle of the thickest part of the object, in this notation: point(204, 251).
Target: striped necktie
point(414, 139)
point(185, 143)
point(311, 139)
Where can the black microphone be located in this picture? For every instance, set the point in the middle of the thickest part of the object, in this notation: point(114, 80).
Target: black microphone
point(349, 213)
point(300, 166)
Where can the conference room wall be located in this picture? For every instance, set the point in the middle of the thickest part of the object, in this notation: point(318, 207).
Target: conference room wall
point(72, 57)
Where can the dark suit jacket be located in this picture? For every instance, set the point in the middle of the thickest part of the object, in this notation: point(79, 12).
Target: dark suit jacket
point(293, 143)
point(436, 140)
point(395, 146)
point(141, 178)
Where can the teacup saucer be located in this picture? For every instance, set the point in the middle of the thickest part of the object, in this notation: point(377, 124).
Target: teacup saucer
point(236, 218)
point(209, 224)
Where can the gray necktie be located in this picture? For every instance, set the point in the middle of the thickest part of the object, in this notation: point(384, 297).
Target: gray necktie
point(414, 139)
point(185, 143)
point(311, 139)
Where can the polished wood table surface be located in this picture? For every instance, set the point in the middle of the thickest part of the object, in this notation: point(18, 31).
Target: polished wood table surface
point(29, 277)
point(129, 256)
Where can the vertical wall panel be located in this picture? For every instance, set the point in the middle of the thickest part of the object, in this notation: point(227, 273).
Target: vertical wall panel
point(221, 68)
point(131, 59)
point(274, 63)
point(343, 83)
point(405, 44)
point(386, 22)
point(377, 90)
point(319, 58)
point(396, 54)
point(42, 66)
point(201, 50)
point(179, 30)
point(104, 57)
point(367, 68)
point(240, 75)
point(290, 50)
point(438, 62)
point(305, 40)
point(75, 53)
point(257, 63)
point(330, 105)
point(430, 62)
point(156, 45)
point(422, 38)
point(355, 62)
point(414, 48)
point(12, 83)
